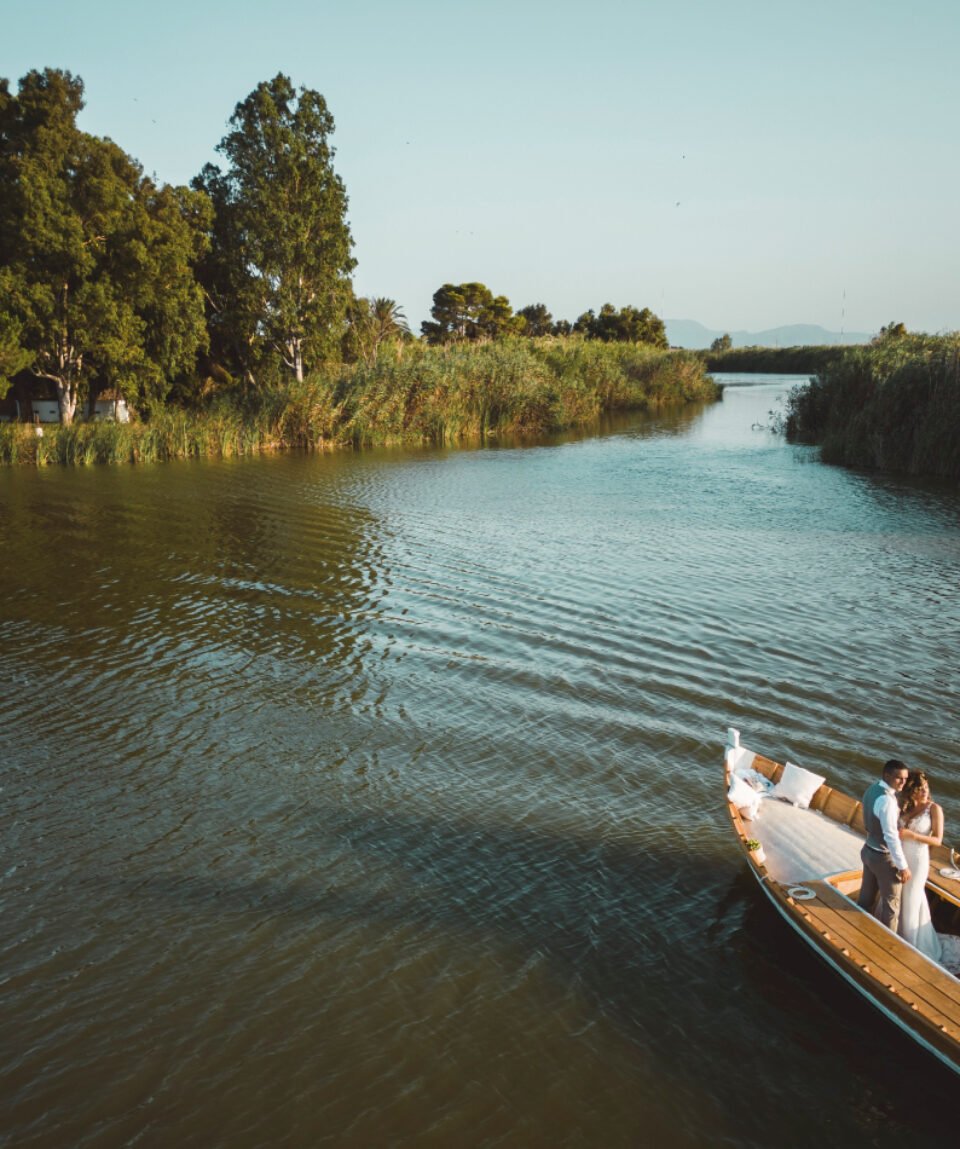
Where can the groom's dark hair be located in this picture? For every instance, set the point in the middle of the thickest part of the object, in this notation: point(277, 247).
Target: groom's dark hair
point(893, 766)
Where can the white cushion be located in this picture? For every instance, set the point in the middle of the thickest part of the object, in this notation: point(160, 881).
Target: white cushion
point(744, 797)
point(797, 785)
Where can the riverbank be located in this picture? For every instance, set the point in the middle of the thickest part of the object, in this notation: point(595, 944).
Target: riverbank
point(894, 406)
point(773, 360)
point(412, 393)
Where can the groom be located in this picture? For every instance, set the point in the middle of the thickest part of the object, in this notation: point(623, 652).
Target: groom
point(884, 865)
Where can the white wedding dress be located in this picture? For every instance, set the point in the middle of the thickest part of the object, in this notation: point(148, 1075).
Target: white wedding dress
point(915, 924)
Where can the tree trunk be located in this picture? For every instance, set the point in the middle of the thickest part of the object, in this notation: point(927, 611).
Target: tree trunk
point(67, 401)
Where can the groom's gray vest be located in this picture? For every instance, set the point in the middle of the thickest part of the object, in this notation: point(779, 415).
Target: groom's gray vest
point(872, 823)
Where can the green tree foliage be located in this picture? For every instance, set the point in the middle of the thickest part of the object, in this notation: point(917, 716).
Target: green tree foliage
point(98, 284)
point(721, 343)
point(371, 323)
point(468, 311)
point(278, 275)
point(890, 333)
point(537, 320)
point(628, 325)
point(13, 356)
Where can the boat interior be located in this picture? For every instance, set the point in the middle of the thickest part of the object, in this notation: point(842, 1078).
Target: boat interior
point(799, 847)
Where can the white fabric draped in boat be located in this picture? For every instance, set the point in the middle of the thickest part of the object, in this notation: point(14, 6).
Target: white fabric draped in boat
point(803, 844)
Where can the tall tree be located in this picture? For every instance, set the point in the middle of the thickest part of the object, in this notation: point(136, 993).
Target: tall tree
point(278, 277)
point(536, 318)
point(468, 311)
point(628, 325)
point(97, 260)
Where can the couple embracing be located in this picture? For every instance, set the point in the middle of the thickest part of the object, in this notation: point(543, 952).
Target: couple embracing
point(896, 855)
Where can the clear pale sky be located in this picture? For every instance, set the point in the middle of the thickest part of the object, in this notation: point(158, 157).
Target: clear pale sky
point(747, 163)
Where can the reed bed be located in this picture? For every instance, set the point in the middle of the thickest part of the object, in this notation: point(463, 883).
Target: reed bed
point(775, 360)
point(411, 393)
point(890, 407)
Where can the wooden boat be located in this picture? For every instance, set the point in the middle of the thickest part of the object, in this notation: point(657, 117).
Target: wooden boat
point(809, 866)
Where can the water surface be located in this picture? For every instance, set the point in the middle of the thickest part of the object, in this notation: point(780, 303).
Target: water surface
point(375, 799)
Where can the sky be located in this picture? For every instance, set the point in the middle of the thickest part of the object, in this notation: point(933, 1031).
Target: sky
point(743, 163)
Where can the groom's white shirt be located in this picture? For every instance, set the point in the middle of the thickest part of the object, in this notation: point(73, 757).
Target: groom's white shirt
point(887, 811)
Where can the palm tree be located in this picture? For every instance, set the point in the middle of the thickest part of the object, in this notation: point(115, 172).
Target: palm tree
point(370, 322)
point(388, 320)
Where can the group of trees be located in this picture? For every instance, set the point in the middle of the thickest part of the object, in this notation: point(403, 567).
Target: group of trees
point(110, 281)
point(470, 311)
point(96, 260)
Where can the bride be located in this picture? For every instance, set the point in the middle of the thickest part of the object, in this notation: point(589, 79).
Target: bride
point(921, 822)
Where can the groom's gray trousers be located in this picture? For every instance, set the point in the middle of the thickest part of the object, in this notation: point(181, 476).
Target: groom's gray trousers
point(881, 888)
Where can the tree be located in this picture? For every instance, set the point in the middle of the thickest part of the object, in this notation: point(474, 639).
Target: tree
point(890, 333)
point(628, 325)
point(468, 311)
point(536, 318)
point(97, 260)
point(13, 357)
point(278, 276)
point(388, 319)
point(721, 343)
point(369, 323)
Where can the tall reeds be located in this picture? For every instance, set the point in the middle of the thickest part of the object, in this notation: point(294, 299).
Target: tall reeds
point(409, 393)
point(894, 406)
point(804, 360)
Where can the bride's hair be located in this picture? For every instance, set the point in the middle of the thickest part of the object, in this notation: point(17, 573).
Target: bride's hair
point(915, 779)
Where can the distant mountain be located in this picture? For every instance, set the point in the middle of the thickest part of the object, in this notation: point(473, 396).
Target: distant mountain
point(689, 333)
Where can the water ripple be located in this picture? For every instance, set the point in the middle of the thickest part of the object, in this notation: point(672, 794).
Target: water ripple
point(372, 799)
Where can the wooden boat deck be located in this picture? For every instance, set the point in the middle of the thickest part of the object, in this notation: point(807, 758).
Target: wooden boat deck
point(896, 976)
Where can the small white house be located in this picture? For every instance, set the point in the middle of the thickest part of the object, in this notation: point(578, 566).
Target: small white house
point(111, 411)
point(114, 410)
point(45, 410)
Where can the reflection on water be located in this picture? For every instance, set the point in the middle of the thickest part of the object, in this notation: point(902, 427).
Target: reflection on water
point(373, 799)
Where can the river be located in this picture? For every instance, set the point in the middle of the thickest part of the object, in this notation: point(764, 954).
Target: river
point(375, 799)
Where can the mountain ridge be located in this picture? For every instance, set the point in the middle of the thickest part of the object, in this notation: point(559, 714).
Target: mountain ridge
point(691, 334)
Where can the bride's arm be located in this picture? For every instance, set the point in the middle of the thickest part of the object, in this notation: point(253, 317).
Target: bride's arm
point(935, 837)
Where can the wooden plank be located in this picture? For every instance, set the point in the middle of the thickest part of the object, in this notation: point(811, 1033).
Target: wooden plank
point(819, 800)
point(840, 807)
point(863, 961)
point(950, 887)
point(856, 822)
point(767, 767)
point(885, 955)
point(937, 1029)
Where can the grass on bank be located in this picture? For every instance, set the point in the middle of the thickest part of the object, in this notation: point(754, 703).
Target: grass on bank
point(774, 360)
point(894, 406)
point(410, 394)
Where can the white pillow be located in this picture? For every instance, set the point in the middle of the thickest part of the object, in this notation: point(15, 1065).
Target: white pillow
point(744, 797)
point(797, 785)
